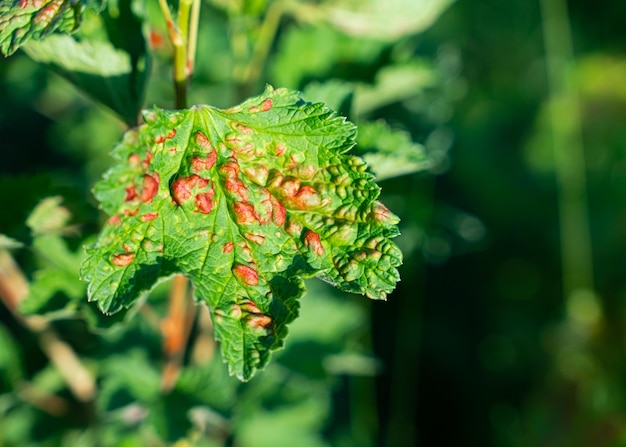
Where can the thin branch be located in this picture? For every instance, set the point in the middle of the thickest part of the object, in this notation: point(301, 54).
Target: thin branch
point(268, 30)
point(176, 329)
point(172, 32)
point(45, 401)
point(204, 342)
point(193, 37)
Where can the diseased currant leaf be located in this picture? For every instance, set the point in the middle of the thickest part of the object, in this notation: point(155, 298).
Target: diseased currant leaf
point(22, 20)
point(244, 202)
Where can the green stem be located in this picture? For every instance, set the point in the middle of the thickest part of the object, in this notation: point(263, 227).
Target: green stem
point(565, 116)
point(264, 43)
point(193, 36)
point(183, 35)
point(181, 72)
point(239, 49)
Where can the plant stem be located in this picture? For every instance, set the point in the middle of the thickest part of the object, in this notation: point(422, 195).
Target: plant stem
point(565, 116)
point(43, 400)
point(193, 36)
point(176, 328)
point(183, 36)
point(181, 72)
point(204, 343)
point(264, 43)
point(172, 33)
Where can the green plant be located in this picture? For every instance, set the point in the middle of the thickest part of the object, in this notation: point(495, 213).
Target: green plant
point(243, 201)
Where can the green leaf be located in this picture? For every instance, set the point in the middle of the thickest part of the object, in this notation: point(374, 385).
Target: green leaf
point(23, 20)
point(56, 284)
point(337, 94)
point(244, 202)
point(321, 52)
point(394, 83)
point(128, 378)
point(388, 20)
point(48, 216)
point(7, 243)
point(390, 152)
point(106, 58)
point(279, 427)
point(11, 371)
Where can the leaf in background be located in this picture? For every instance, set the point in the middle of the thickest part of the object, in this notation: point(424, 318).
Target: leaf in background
point(48, 216)
point(337, 94)
point(106, 58)
point(279, 427)
point(390, 152)
point(11, 370)
point(387, 20)
point(306, 53)
point(56, 284)
point(312, 344)
point(128, 378)
point(244, 202)
point(23, 20)
point(282, 406)
point(8, 243)
point(394, 83)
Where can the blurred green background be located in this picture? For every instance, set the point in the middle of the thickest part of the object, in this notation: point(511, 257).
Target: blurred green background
point(507, 328)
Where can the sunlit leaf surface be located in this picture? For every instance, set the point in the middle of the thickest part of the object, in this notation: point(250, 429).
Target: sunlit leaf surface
point(244, 202)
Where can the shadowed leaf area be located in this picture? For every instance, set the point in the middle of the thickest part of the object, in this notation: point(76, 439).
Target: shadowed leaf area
point(244, 202)
point(23, 20)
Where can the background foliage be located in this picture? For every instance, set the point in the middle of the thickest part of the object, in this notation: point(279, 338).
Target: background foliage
point(481, 344)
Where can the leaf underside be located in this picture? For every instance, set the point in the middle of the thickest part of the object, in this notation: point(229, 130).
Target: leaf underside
point(244, 202)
